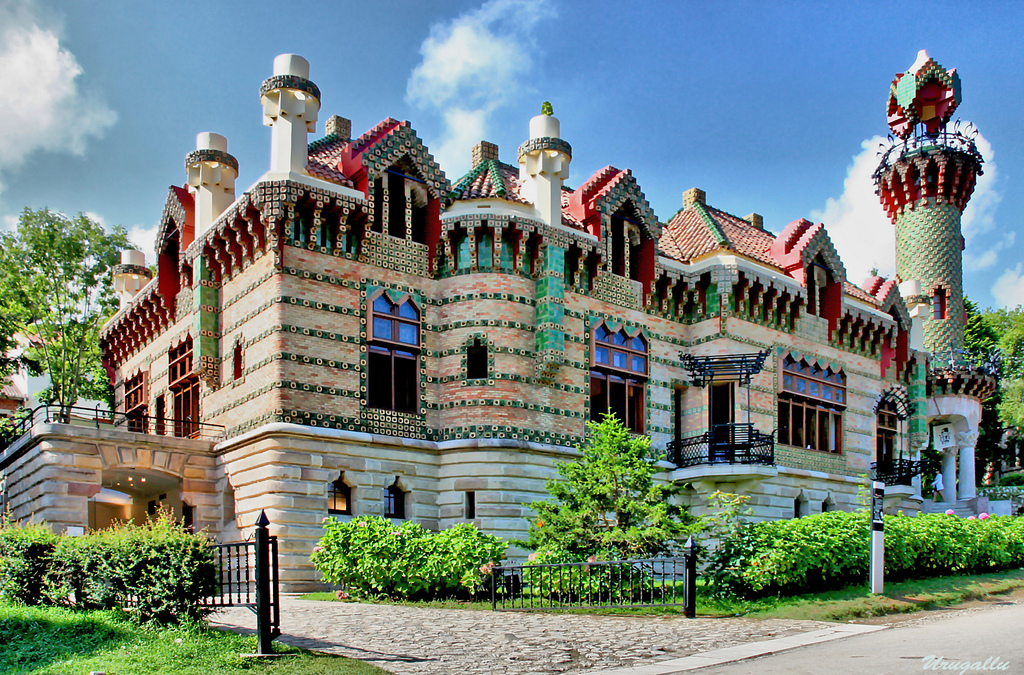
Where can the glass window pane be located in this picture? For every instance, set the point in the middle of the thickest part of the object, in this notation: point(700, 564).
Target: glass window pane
point(840, 396)
point(382, 304)
point(638, 344)
point(639, 364)
point(787, 382)
point(601, 355)
point(598, 396)
point(797, 430)
point(409, 333)
point(617, 398)
point(801, 385)
point(619, 338)
point(378, 379)
point(826, 392)
point(407, 310)
point(382, 329)
point(784, 422)
point(619, 359)
point(602, 333)
point(814, 389)
point(635, 411)
point(406, 380)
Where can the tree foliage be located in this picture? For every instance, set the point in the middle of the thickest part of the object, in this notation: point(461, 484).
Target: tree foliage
point(606, 502)
point(55, 272)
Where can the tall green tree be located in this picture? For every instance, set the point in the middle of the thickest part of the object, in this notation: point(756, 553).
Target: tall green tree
point(55, 271)
point(607, 501)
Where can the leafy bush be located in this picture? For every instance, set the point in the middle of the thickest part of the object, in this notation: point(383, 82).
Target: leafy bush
point(24, 559)
point(156, 572)
point(616, 583)
point(1012, 479)
point(831, 550)
point(373, 557)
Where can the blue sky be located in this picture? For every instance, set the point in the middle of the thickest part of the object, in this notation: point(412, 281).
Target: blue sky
point(775, 108)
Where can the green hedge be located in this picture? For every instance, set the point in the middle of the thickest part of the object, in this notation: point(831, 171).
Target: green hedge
point(370, 556)
point(154, 572)
point(831, 550)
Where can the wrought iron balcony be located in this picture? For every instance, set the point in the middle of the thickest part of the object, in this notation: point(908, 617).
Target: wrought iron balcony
point(724, 444)
point(898, 471)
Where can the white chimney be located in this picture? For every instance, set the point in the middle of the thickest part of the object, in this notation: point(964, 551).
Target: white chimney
point(543, 166)
point(917, 305)
point(211, 178)
point(290, 106)
point(131, 275)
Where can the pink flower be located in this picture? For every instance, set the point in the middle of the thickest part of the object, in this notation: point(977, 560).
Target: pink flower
point(971, 518)
point(326, 518)
point(362, 523)
point(532, 556)
point(395, 532)
point(950, 512)
point(592, 558)
point(984, 516)
point(341, 595)
point(486, 567)
point(317, 549)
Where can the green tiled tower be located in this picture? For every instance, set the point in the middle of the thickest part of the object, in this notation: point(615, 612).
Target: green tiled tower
point(924, 181)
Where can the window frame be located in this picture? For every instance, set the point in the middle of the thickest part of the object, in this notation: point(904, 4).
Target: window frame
point(633, 381)
point(394, 350)
point(807, 417)
point(336, 489)
point(394, 501)
point(136, 403)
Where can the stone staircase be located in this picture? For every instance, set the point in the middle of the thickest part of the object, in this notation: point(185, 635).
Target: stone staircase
point(962, 507)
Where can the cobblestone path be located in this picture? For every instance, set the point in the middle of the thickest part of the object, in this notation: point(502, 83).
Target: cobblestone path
point(415, 641)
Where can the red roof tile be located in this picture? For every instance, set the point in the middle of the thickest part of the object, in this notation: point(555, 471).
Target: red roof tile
point(689, 235)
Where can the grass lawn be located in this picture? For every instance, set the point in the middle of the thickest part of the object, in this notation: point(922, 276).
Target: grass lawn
point(54, 641)
point(852, 602)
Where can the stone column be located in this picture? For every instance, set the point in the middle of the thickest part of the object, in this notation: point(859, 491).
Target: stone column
point(949, 474)
point(966, 442)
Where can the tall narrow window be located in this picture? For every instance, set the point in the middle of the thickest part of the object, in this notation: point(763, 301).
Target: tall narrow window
point(184, 385)
point(811, 404)
point(618, 377)
point(339, 497)
point(476, 360)
point(135, 408)
point(939, 304)
point(393, 370)
point(470, 505)
point(394, 501)
point(160, 414)
point(236, 362)
point(886, 433)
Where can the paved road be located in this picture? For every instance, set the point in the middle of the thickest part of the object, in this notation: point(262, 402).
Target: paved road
point(415, 641)
point(970, 637)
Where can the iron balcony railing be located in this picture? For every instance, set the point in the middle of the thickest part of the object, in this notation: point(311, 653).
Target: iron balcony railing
point(106, 419)
point(737, 443)
point(957, 140)
point(898, 471)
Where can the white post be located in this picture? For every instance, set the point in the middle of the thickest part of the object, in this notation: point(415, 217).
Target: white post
point(543, 167)
point(290, 106)
point(966, 488)
point(211, 178)
point(876, 574)
point(949, 475)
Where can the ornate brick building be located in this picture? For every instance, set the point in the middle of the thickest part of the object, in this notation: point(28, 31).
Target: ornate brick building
point(355, 334)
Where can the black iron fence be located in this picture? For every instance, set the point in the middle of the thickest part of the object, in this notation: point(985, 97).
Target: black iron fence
point(898, 471)
point(724, 444)
point(107, 419)
point(248, 577)
point(616, 583)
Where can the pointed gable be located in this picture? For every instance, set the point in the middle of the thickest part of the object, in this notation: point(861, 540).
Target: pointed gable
point(372, 154)
point(489, 179)
point(178, 216)
point(799, 244)
point(605, 192)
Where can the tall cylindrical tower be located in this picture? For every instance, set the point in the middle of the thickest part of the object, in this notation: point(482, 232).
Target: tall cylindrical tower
point(925, 180)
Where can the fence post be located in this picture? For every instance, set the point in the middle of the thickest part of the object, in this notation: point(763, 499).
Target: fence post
point(690, 579)
point(264, 628)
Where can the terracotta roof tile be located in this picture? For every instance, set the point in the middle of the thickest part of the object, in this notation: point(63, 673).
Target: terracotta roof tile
point(698, 230)
point(489, 179)
point(325, 160)
point(11, 391)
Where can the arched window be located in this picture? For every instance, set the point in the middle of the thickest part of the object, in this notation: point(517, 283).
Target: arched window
point(811, 404)
point(393, 363)
point(618, 376)
point(339, 497)
point(394, 501)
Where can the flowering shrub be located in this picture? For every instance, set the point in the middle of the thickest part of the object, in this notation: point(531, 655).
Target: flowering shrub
point(373, 557)
point(830, 550)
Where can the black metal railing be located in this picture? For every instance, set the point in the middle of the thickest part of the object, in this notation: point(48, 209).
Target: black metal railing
point(898, 471)
point(724, 444)
point(985, 363)
point(653, 582)
point(922, 141)
point(248, 576)
point(638, 583)
point(106, 419)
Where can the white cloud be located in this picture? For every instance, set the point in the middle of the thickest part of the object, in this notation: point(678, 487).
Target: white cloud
point(43, 107)
point(144, 239)
point(1009, 287)
point(862, 233)
point(866, 238)
point(977, 262)
point(471, 66)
